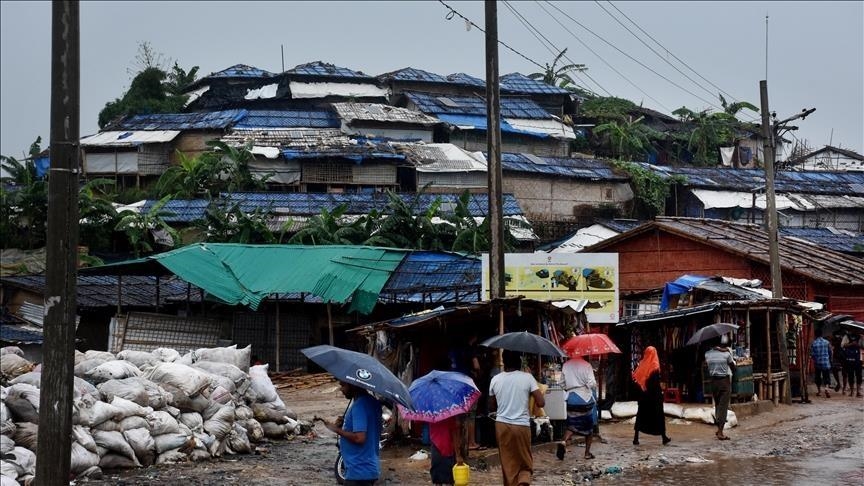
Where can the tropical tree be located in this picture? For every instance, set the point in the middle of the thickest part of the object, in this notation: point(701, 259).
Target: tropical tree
point(406, 226)
point(227, 223)
point(556, 75)
point(96, 214)
point(331, 228)
point(222, 168)
point(141, 228)
point(24, 203)
point(712, 130)
point(627, 138)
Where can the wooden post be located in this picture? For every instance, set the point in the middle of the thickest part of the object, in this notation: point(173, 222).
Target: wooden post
point(783, 351)
point(278, 336)
point(330, 323)
point(54, 442)
point(493, 145)
point(768, 346)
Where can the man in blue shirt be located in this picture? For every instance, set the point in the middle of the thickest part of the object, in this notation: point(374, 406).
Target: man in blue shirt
point(359, 433)
point(820, 351)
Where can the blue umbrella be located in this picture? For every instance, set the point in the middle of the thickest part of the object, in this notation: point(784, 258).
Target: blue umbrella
point(440, 395)
point(361, 370)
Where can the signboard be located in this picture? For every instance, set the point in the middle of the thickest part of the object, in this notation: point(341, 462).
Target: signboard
point(562, 276)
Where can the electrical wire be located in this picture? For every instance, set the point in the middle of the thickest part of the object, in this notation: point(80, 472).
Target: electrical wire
point(603, 60)
point(649, 68)
point(668, 52)
point(551, 47)
point(466, 19)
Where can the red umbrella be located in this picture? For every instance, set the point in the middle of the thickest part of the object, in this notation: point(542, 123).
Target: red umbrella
point(589, 345)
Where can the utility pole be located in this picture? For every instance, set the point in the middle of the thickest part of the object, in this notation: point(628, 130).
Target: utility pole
point(770, 134)
point(493, 144)
point(61, 269)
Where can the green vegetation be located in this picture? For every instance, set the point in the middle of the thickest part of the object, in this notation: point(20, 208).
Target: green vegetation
point(556, 75)
point(649, 188)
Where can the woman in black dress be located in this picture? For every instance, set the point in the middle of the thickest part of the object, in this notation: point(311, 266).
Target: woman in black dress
point(649, 417)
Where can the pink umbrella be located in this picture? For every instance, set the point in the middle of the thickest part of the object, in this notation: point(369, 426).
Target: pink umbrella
point(589, 345)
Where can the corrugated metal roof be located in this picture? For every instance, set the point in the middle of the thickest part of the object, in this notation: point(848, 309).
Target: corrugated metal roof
point(830, 238)
point(466, 79)
point(289, 118)
point(519, 83)
point(478, 122)
point(308, 204)
point(812, 182)
point(354, 148)
point(377, 112)
point(795, 201)
point(179, 210)
point(19, 335)
point(434, 277)
point(323, 69)
point(589, 169)
point(751, 242)
point(215, 120)
point(239, 71)
point(431, 103)
point(299, 138)
point(101, 290)
point(413, 74)
point(443, 157)
point(128, 138)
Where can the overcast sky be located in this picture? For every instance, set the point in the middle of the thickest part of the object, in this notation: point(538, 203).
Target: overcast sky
point(815, 51)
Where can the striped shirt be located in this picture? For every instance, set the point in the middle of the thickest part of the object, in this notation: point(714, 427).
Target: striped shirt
point(719, 362)
point(820, 351)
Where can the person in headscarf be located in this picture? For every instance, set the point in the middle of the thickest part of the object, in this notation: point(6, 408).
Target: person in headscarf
point(649, 417)
point(581, 389)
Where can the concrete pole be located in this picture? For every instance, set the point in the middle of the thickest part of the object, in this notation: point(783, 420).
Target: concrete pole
point(61, 270)
point(768, 141)
point(493, 134)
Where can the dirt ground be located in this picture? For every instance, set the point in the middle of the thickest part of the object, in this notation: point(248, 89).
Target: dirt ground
point(792, 431)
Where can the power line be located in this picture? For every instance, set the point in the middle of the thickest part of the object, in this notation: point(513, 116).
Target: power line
point(551, 47)
point(466, 19)
point(673, 83)
point(586, 46)
point(751, 118)
point(652, 49)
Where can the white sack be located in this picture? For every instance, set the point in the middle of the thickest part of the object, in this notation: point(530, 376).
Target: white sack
point(6, 445)
point(221, 422)
point(12, 365)
point(23, 401)
point(673, 410)
point(11, 350)
point(114, 442)
point(186, 378)
point(166, 442)
point(113, 370)
point(143, 444)
point(261, 386)
point(130, 408)
point(238, 357)
point(162, 423)
point(139, 358)
point(26, 435)
point(87, 365)
point(193, 421)
point(83, 437)
point(82, 459)
point(166, 355)
point(623, 410)
point(92, 353)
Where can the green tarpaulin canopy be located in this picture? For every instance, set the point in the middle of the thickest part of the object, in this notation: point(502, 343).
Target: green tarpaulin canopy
point(246, 274)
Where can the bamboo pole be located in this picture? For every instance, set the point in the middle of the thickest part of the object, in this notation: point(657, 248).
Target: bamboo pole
point(278, 332)
point(330, 322)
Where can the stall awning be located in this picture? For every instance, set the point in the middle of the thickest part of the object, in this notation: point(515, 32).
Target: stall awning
point(675, 314)
point(679, 286)
point(246, 274)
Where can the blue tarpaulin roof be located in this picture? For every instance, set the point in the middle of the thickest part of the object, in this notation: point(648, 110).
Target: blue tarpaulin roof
point(240, 71)
point(810, 182)
point(319, 68)
point(466, 79)
point(431, 103)
point(519, 83)
point(589, 169)
point(180, 210)
point(842, 241)
point(414, 74)
point(289, 118)
point(434, 277)
point(214, 120)
point(478, 122)
point(681, 285)
point(19, 335)
point(308, 204)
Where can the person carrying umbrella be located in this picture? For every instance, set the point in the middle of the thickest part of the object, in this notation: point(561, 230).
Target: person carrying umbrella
point(581, 403)
point(721, 367)
point(359, 432)
point(650, 418)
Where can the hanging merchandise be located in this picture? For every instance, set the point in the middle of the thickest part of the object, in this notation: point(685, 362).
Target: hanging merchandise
point(794, 328)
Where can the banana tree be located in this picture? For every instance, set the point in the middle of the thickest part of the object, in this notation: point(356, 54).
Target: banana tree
point(140, 227)
point(25, 204)
point(627, 138)
point(555, 75)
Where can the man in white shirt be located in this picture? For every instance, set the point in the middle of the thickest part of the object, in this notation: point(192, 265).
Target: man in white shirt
point(509, 393)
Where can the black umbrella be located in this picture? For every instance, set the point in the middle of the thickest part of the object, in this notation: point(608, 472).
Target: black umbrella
point(711, 331)
point(524, 342)
point(361, 370)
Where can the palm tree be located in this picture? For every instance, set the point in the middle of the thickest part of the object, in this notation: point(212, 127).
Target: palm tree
point(555, 75)
point(96, 213)
point(25, 204)
point(229, 224)
point(330, 228)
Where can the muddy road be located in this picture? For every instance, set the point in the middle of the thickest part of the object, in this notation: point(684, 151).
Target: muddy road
point(817, 443)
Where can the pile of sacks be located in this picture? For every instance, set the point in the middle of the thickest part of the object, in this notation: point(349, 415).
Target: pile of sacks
point(138, 408)
point(627, 410)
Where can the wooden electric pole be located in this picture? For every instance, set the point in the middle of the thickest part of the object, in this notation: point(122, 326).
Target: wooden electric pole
point(61, 269)
point(493, 144)
point(771, 203)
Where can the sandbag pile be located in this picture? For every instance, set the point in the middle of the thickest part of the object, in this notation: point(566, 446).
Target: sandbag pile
point(137, 409)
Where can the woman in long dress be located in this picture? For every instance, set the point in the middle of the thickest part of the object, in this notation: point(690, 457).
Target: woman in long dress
point(581, 403)
point(649, 417)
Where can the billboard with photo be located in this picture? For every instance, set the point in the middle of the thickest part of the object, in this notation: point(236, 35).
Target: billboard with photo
point(563, 276)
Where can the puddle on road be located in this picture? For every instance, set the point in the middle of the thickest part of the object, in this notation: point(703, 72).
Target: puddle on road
point(835, 469)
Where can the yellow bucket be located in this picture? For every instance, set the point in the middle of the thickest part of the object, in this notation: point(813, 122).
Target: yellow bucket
point(461, 474)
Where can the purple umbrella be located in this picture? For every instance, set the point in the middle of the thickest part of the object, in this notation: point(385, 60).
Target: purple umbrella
point(439, 395)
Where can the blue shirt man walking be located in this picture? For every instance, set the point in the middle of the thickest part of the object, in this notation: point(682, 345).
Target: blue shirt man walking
point(820, 351)
point(359, 434)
